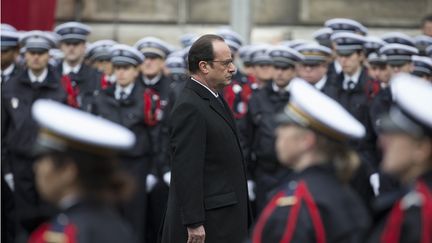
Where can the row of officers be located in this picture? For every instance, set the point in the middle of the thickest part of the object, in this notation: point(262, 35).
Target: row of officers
point(137, 86)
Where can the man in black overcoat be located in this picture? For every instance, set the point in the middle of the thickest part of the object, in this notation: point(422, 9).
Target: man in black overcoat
point(208, 198)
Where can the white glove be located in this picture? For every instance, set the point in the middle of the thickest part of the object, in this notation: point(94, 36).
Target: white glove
point(10, 180)
point(151, 181)
point(167, 178)
point(374, 180)
point(251, 190)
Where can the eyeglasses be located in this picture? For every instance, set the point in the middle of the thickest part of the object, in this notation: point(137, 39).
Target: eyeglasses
point(224, 63)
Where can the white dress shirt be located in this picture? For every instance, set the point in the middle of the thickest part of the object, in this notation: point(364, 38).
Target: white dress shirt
point(215, 94)
point(152, 81)
point(40, 78)
point(127, 91)
point(355, 78)
point(321, 83)
point(68, 69)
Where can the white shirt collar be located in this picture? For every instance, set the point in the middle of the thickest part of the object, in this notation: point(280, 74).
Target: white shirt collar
point(111, 78)
point(277, 89)
point(215, 94)
point(355, 78)
point(38, 79)
point(127, 90)
point(8, 71)
point(152, 81)
point(337, 66)
point(321, 83)
point(68, 69)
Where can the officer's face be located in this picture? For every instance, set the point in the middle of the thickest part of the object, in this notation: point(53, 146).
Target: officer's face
point(105, 67)
point(290, 144)
point(312, 73)
point(36, 60)
point(282, 75)
point(403, 154)
point(221, 69)
point(263, 72)
point(152, 66)
point(384, 74)
point(125, 75)
point(373, 71)
point(427, 28)
point(8, 57)
point(73, 52)
point(53, 181)
point(404, 68)
point(350, 63)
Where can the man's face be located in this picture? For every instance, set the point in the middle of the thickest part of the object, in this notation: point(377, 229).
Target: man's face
point(152, 66)
point(350, 63)
point(312, 73)
point(283, 75)
point(288, 145)
point(263, 72)
point(427, 28)
point(105, 67)
point(74, 51)
point(221, 68)
point(407, 67)
point(36, 60)
point(8, 57)
point(125, 75)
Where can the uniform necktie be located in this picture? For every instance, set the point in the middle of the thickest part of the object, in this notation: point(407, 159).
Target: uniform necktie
point(123, 95)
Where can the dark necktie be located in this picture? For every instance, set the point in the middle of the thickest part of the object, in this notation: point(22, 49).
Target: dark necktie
point(123, 95)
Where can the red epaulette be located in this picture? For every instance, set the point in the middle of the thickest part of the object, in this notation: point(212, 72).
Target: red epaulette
point(301, 196)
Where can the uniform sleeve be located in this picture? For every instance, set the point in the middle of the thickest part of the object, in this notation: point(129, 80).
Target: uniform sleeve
point(188, 144)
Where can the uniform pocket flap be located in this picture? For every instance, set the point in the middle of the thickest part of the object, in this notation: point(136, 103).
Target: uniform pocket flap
point(219, 201)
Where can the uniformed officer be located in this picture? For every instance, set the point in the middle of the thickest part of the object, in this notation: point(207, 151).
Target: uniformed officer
point(406, 139)
point(343, 25)
point(19, 130)
point(372, 62)
point(98, 55)
point(259, 128)
point(313, 68)
point(157, 93)
point(261, 64)
point(355, 92)
point(78, 172)
point(9, 53)
point(78, 79)
point(422, 67)
point(381, 103)
point(9, 68)
point(315, 205)
point(122, 104)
